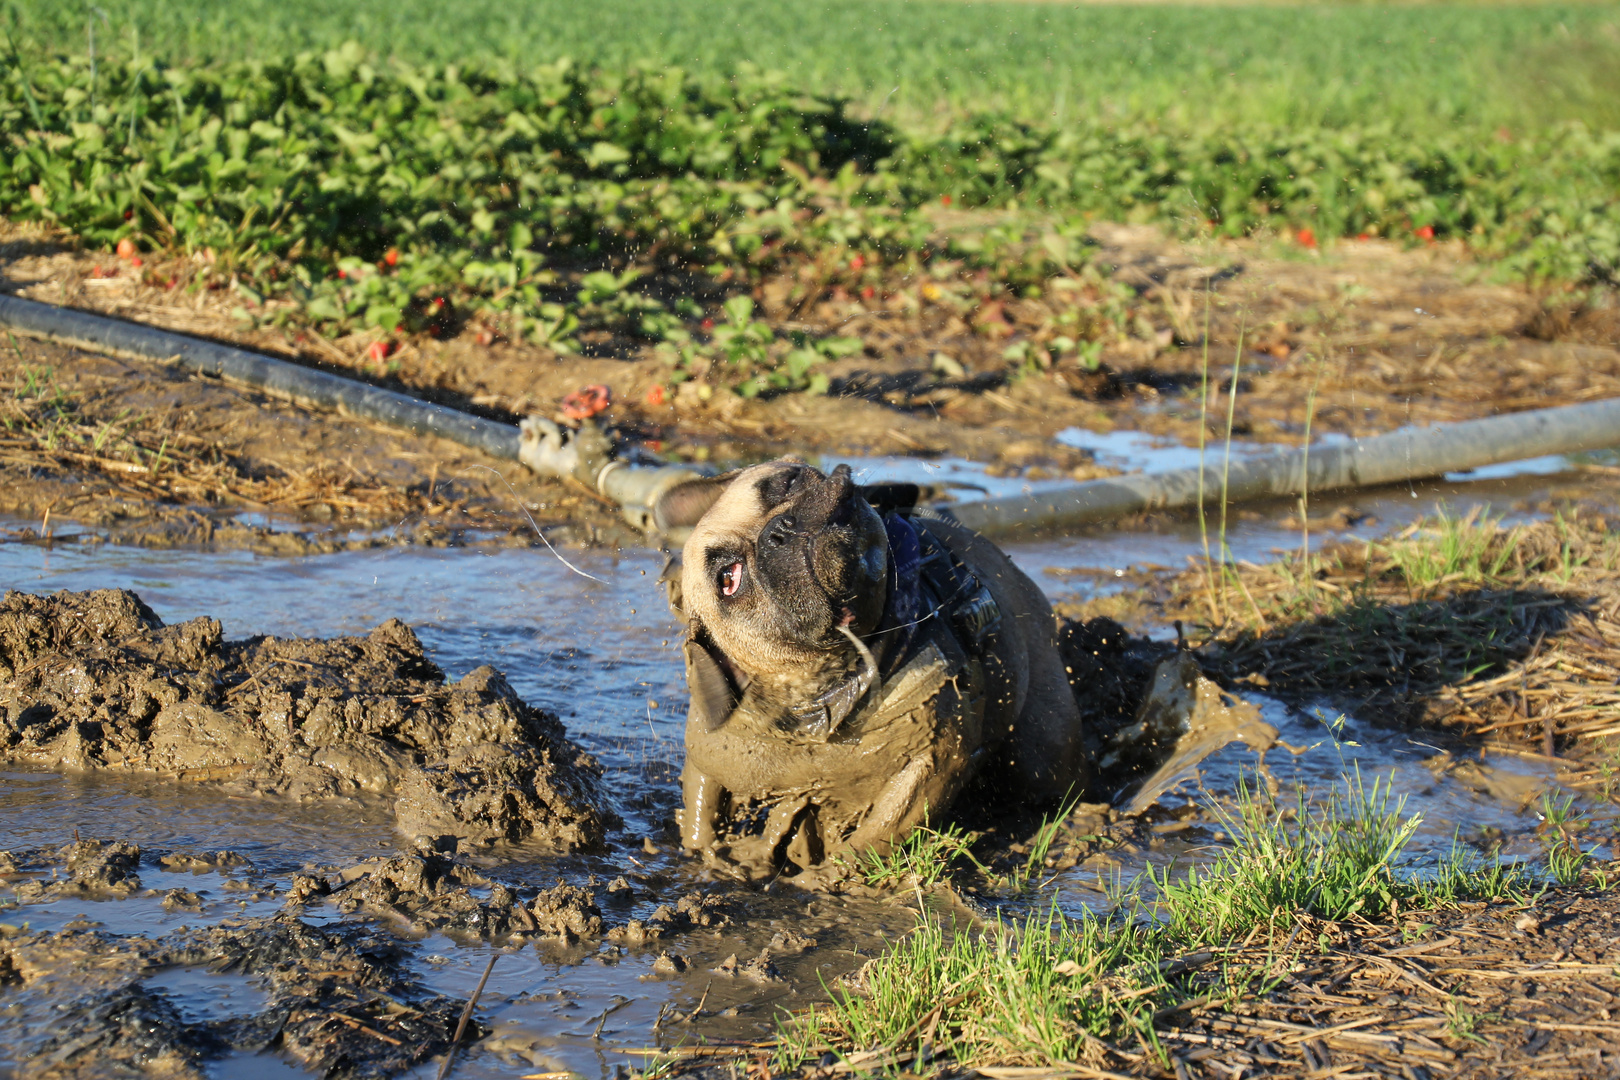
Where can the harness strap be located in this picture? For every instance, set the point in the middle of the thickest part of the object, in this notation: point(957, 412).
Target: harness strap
point(966, 602)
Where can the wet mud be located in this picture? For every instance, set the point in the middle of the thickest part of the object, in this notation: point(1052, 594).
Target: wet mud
point(617, 945)
point(96, 681)
point(186, 962)
point(81, 1002)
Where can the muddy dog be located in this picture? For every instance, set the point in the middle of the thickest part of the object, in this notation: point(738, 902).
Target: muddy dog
point(851, 672)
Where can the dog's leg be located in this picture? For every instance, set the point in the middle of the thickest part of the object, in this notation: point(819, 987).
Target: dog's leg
point(905, 803)
point(703, 796)
point(1047, 749)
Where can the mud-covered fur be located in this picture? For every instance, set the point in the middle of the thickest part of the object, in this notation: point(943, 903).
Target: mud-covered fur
point(784, 582)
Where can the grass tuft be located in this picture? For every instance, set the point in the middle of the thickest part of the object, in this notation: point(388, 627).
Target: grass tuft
point(1332, 862)
point(1050, 989)
point(1457, 621)
point(925, 857)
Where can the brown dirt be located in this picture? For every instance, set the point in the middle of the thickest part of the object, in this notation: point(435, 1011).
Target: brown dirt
point(1385, 336)
point(1497, 990)
point(96, 681)
point(1504, 989)
point(140, 453)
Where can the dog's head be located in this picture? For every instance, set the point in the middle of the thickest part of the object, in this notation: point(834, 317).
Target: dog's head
point(780, 557)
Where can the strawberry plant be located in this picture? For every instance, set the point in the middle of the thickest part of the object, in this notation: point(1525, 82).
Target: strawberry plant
point(539, 202)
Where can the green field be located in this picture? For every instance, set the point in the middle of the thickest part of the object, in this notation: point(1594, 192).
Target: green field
point(394, 173)
point(1428, 66)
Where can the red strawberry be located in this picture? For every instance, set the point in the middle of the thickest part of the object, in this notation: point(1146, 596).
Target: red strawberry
point(655, 396)
point(126, 248)
point(857, 262)
point(379, 351)
point(1425, 232)
point(391, 256)
point(587, 401)
point(1306, 237)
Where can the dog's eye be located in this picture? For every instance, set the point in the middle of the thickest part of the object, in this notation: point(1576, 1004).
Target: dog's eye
point(731, 579)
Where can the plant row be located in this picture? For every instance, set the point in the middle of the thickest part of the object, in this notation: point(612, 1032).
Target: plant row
point(538, 200)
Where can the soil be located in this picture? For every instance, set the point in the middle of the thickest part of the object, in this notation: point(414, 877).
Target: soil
point(339, 997)
point(1498, 990)
point(96, 681)
point(1363, 336)
point(210, 465)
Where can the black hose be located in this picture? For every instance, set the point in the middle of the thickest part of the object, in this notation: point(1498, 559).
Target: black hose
point(282, 379)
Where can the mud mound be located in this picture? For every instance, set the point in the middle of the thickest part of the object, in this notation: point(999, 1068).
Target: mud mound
point(336, 1003)
point(96, 681)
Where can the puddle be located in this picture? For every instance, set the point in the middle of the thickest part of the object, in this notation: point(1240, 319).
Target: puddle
point(202, 996)
point(1137, 451)
point(962, 480)
point(238, 1066)
point(602, 654)
point(1485, 802)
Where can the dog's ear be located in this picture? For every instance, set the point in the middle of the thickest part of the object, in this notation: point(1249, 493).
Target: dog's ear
point(670, 579)
point(713, 696)
point(682, 505)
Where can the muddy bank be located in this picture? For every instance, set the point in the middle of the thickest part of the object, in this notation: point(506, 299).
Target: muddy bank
point(1488, 990)
point(96, 681)
point(101, 450)
point(334, 1002)
point(1505, 988)
point(293, 965)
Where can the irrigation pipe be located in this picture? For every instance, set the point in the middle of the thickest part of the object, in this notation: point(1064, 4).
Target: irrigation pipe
point(1405, 454)
point(584, 455)
point(306, 386)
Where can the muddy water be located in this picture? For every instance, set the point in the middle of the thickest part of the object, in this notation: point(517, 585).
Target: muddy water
point(600, 651)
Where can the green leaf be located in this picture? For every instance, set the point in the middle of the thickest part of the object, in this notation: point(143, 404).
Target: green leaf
point(384, 316)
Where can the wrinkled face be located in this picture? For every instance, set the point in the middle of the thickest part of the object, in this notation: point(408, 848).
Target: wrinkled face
point(782, 558)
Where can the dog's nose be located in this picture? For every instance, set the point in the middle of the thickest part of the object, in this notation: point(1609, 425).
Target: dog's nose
point(779, 530)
